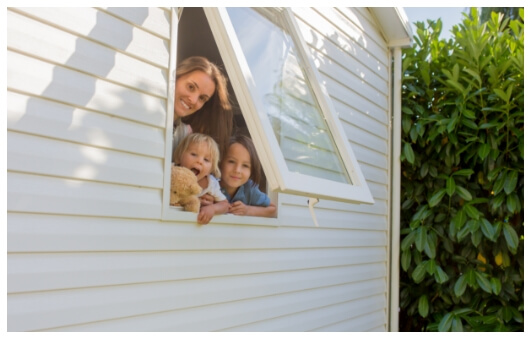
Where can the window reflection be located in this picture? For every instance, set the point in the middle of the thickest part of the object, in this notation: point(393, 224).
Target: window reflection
point(297, 120)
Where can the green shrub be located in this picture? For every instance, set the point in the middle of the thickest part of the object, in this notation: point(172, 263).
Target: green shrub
point(462, 191)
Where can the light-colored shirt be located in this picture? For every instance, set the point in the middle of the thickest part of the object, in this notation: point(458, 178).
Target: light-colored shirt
point(213, 189)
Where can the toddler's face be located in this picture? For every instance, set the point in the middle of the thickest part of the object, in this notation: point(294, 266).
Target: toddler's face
point(235, 167)
point(198, 159)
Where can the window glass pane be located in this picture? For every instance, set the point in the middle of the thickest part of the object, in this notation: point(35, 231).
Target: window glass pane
point(297, 119)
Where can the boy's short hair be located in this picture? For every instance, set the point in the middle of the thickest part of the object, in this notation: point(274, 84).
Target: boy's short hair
point(196, 138)
point(256, 168)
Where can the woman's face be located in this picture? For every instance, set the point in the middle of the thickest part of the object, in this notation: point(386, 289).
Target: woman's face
point(192, 91)
point(235, 168)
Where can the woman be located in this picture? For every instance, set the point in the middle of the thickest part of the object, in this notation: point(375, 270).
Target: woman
point(201, 102)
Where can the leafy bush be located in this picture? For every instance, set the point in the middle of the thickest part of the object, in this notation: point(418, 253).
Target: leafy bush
point(462, 253)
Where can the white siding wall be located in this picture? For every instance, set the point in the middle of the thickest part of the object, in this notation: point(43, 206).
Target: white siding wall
point(87, 250)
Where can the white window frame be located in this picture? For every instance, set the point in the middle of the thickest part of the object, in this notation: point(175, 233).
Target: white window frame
point(279, 177)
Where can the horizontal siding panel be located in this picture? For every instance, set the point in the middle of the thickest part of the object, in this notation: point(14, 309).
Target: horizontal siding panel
point(68, 233)
point(300, 216)
point(157, 20)
point(45, 42)
point(376, 143)
point(351, 115)
point(347, 35)
point(332, 218)
point(332, 48)
point(54, 271)
point(363, 16)
point(370, 157)
point(42, 194)
point(356, 25)
point(374, 174)
point(39, 78)
point(206, 318)
point(51, 119)
point(360, 84)
point(37, 155)
point(318, 319)
point(379, 191)
point(362, 104)
point(368, 322)
point(105, 29)
point(300, 204)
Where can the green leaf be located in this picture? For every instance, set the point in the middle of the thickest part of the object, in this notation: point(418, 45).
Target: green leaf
point(510, 182)
point(463, 232)
point(457, 325)
point(501, 94)
point(499, 183)
point(487, 229)
point(431, 244)
point(408, 152)
point(470, 277)
point(407, 110)
point(405, 260)
point(421, 238)
point(440, 275)
point(483, 282)
point(471, 211)
point(511, 238)
point(450, 186)
point(419, 272)
point(451, 124)
point(430, 266)
point(513, 203)
point(464, 172)
point(424, 169)
point(483, 151)
point(437, 197)
point(408, 241)
point(495, 285)
point(459, 219)
point(476, 238)
point(463, 193)
point(460, 286)
point(446, 322)
point(424, 306)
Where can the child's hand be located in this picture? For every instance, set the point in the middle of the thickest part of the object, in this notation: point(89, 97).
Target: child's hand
point(205, 214)
point(238, 208)
point(206, 199)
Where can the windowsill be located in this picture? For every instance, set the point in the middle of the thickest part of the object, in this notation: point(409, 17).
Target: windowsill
point(172, 213)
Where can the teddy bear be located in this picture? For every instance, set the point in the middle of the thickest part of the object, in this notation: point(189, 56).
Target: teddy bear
point(184, 189)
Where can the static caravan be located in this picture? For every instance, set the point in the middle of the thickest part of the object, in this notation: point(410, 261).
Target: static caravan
point(92, 242)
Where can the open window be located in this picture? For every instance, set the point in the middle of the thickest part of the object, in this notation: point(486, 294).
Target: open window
point(277, 100)
point(288, 113)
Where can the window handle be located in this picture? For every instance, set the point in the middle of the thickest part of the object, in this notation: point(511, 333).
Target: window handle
point(311, 203)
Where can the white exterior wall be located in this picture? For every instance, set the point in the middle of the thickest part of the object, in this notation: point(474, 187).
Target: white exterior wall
point(86, 247)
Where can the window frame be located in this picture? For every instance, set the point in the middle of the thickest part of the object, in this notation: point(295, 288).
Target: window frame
point(275, 167)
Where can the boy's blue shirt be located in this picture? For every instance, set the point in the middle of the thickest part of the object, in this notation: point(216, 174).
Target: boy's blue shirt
point(249, 194)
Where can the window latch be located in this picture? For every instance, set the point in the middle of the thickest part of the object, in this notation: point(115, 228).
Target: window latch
point(311, 203)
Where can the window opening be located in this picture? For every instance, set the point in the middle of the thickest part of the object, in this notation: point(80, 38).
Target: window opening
point(195, 38)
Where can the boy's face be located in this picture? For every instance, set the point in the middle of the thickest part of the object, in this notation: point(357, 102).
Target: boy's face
point(197, 157)
point(235, 168)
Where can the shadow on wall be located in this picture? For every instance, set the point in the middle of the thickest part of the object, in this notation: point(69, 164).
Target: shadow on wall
point(65, 98)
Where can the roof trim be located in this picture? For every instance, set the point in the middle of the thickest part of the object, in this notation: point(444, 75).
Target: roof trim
point(394, 24)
